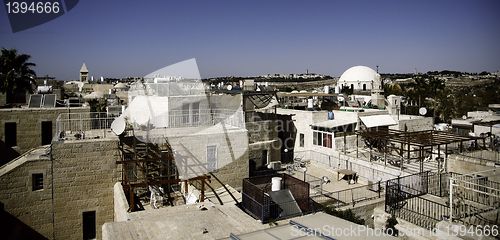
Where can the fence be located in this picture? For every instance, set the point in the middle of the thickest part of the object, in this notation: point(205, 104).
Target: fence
point(257, 202)
point(422, 212)
point(351, 196)
point(83, 125)
point(401, 189)
point(342, 161)
point(477, 189)
point(438, 184)
point(487, 155)
point(204, 117)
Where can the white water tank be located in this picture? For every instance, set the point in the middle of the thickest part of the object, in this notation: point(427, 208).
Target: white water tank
point(275, 184)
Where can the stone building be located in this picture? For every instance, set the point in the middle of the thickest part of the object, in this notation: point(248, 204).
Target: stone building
point(22, 129)
point(64, 190)
point(84, 73)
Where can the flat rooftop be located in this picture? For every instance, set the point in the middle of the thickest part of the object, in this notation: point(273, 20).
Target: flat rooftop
point(197, 221)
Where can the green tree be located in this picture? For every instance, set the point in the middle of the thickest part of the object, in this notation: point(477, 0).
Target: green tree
point(16, 73)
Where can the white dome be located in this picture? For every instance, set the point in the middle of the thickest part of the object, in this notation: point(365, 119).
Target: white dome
point(359, 74)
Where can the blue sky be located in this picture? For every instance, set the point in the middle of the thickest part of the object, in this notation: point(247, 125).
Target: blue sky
point(245, 38)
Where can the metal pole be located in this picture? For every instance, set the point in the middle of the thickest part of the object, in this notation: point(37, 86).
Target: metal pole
point(446, 158)
point(451, 200)
point(357, 146)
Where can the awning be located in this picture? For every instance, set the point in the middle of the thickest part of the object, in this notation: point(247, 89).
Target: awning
point(334, 123)
point(378, 121)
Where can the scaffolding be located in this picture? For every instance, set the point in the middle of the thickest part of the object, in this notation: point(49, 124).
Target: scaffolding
point(150, 168)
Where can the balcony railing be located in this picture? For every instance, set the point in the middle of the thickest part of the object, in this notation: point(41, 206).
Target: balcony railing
point(203, 117)
point(87, 125)
point(97, 124)
point(352, 196)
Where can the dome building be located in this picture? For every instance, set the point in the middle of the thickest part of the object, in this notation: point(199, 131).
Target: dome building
point(360, 78)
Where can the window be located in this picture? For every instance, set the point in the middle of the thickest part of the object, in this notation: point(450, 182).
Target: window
point(364, 86)
point(315, 138)
point(301, 139)
point(211, 158)
point(88, 225)
point(323, 139)
point(36, 181)
point(10, 134)
point(352, 86)
point(327, 140)
point(195, 112)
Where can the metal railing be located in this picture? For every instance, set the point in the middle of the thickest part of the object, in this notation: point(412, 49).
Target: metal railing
point(438, 184)
point(259, 204)
point(423, 212)
point(351, 196)
point(204, 117)
point(83, 125)
point(486, 155)
point(342, 161)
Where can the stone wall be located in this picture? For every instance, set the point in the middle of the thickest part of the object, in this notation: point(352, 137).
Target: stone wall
point(34, 208)
point(84, 174)
point(29, 124)
point(263, 135)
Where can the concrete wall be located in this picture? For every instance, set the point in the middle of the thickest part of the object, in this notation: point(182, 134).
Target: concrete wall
point(29, 124)
point(120, 203)
point(303, 121)
point(413, 123)
point(232, 155)
point(84, 174)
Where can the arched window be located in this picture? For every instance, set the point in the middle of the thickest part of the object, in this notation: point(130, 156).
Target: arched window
point(352, 86)
point(364, 86)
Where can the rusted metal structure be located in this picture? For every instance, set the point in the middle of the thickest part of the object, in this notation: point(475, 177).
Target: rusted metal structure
point(398, 146)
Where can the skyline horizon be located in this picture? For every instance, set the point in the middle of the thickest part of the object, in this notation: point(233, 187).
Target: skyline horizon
point(257, 38)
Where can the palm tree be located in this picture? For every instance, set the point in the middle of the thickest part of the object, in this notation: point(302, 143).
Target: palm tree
point(16, 75)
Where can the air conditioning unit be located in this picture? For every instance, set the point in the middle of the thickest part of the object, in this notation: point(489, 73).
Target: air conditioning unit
point(275, 165)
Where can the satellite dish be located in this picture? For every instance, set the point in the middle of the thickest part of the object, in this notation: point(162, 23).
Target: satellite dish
point(229, 87)
point(118, 125)
point(422, 111)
